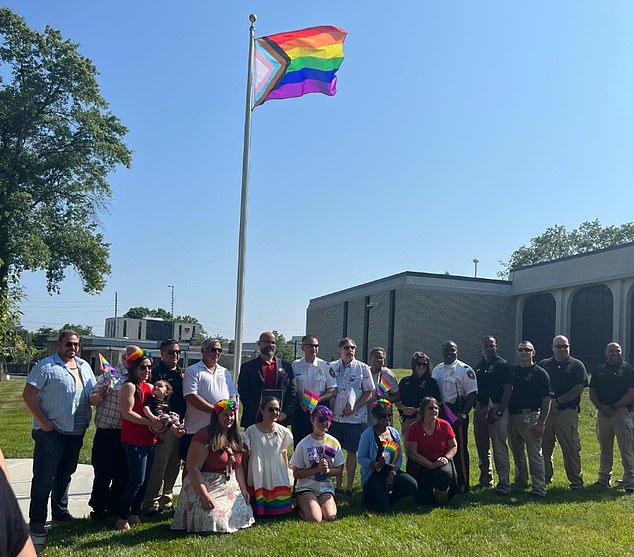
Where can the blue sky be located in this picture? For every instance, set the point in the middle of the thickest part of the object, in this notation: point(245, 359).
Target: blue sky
point(459, 130)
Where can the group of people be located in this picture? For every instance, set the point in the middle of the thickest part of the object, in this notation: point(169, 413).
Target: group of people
point(340, 414)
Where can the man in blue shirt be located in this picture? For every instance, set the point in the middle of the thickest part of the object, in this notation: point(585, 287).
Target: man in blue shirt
point(56, 393)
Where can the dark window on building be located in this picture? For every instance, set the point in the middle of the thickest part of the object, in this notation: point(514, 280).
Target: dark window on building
point(139, 330)
point(125, 328)
point(591, 324)
point(538, 323)
point(158, 330)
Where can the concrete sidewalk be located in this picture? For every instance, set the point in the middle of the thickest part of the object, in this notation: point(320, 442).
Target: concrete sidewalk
point(21, 472)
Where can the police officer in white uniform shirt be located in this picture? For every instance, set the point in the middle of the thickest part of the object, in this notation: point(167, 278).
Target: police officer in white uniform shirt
point(313, 375)
point(458, 389)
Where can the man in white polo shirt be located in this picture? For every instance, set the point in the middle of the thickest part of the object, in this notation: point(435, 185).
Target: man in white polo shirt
point(204, 384)
point(314, 375)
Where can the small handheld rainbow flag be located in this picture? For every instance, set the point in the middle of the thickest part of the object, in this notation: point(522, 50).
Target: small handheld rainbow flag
point(310, 399)
point(105, 366)
point(391, 451)
point(384, 386)
point(296, 63)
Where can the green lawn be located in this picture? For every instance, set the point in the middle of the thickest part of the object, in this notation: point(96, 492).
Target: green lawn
point(590, 522)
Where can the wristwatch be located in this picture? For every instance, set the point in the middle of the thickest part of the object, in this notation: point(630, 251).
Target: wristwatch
point(462, 415)
point(393, 472)
point(499, 414)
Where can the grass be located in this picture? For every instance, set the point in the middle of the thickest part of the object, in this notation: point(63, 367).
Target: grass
point(590, 522)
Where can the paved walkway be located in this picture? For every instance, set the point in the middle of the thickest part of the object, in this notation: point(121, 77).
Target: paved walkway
point(21, 472)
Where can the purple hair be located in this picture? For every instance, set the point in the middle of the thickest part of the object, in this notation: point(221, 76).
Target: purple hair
point(321, 411)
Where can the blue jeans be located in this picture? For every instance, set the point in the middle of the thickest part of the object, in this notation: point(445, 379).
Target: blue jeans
point(140, 461)
point(55, 459)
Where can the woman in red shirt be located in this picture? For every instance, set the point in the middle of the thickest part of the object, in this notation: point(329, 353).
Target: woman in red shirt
point(214, 497)
point(138, 436)
point(430, 446)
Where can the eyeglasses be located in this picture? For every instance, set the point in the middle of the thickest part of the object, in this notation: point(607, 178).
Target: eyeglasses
point(349, 347)
point(145, 367)
point(274, 410)
point(524, 349)
point(173, 352)
point(310, 345)
point(322, 420)
point(72, 344)
point(562, 346)
point(386, 417)
point(421, 364)
point(213, 349)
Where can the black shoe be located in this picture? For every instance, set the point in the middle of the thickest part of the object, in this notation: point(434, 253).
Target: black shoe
point(66, 517)
point(37, 529)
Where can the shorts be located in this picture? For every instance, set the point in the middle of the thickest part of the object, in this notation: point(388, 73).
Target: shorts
point(321, 497)
point(347, 434)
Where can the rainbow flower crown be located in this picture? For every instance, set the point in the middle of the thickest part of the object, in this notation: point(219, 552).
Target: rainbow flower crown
point(225, 404)
point(382, 402)
point(136, 355)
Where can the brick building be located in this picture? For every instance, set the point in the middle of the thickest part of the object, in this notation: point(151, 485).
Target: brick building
point(586, 297)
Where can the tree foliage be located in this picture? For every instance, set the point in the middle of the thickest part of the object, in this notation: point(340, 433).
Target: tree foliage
point(557, 242)
point(282, 348)
point(58, 143)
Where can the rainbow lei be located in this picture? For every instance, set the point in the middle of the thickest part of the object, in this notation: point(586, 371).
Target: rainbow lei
point(224, 405)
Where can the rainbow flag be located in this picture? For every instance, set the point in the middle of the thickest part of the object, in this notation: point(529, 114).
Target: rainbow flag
point(391, 451)
point(105, 366)
point(384, 386)
point(448, 413)
point(310, 399)
point(296, 63)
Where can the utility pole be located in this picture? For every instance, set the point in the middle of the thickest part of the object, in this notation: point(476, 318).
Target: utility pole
point(172, 306)
point(475, 267)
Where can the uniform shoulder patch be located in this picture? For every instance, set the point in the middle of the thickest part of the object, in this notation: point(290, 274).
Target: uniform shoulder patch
point(332, 372)
point(470, 374)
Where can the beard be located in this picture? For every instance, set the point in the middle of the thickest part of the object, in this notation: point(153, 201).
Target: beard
point(268, 352)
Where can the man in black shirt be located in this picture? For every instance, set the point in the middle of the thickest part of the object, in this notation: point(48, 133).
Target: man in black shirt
point(568, 378)
point(612, 392)
point(528, 411)
point(490, 418)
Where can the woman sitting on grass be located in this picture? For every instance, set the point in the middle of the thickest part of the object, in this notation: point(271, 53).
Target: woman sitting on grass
point(430, 445)
point(267, 468)
point(317, 457)
point(214, 497)
point(380, 456)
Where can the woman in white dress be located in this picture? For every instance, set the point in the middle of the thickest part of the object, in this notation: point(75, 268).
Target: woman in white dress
point(267, 470)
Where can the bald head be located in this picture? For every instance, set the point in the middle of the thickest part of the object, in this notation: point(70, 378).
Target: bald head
point(561, 348)
point(614, 353)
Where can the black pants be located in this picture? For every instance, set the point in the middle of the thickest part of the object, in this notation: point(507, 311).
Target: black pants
point(111, 471)
point(381, 501)
point(301, 425)
point(432, 478)
point(461, 460)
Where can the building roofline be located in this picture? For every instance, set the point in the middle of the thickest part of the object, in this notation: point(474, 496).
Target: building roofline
point(416, 274)
point(569, 257)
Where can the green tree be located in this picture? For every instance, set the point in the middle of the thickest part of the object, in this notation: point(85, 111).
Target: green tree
point(557, 242)
point(137, 312)
point(58, 143)
point(161, 314)
point(282, 348)
point(79, 329)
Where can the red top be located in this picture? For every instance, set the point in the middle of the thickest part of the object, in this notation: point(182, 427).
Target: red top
point(433, 446)
point(269, 373)
point(138, 434)
point(216, 460)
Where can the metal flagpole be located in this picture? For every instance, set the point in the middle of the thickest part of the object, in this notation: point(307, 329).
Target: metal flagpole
point(242, 244)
